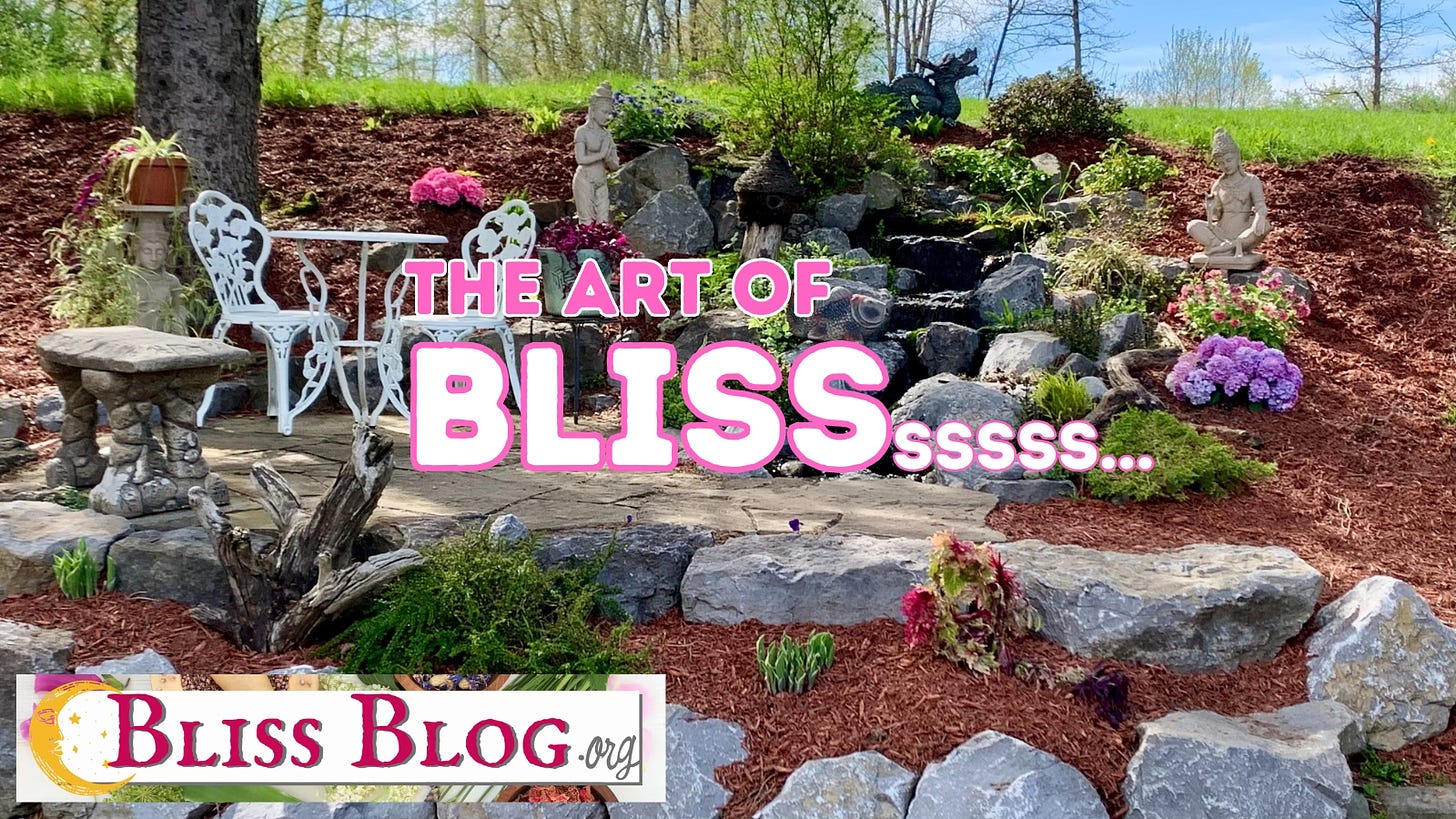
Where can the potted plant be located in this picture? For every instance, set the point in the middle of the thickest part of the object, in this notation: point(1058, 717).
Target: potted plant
point(566, 245)
point(152, 171)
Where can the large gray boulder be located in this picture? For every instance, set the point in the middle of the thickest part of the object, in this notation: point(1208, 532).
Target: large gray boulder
point(1317, 719)
point(831, 239)
point(1202, 765)
point(942, 398)
point(1204, 607)
point(881, 191)
point(24, 649)
point(646, 565)
point(179, 564)
point(794, 578)
point(1122, 332)
point(688, 335)
point(944, 347)
point(872, 275)
point(844, 211)
point(696, 747)
point(994, 776)
point(1019, 286)
point(944, 263)
point(12, 417)
point(1419, 802)
point(32, 533)
point(1024, 352)
point(658, 170)
point(671, 223)
point(1380, 650)
point(865, 785)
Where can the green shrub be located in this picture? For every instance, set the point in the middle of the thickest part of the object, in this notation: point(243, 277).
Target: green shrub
point(477, 605)
point(1114, 270)
point(1119, 169)
point(1185, 460)
point(797, 68)
point(675, 412)
point(1060, 398)
point(1001, 169)
point(1064, 104)
point(789, 665)
point(657, 113)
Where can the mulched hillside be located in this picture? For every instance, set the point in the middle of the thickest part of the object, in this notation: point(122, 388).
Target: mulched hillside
point(1364, 484)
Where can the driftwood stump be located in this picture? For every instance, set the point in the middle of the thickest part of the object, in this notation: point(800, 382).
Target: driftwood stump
point(1127, 392)
point(308, 576)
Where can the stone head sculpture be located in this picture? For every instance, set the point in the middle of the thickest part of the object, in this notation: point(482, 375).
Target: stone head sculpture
point(1226, 152)
point(602, 104)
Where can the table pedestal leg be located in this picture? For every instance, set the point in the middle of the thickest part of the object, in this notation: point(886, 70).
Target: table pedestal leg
point(78, 462)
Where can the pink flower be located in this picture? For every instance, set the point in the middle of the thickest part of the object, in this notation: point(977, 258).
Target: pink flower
point(423, 190)
point(447, 196)
point(1219, 315)
point(918, 606)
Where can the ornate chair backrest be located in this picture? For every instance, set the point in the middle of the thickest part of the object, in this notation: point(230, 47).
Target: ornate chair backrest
point(233, 247)
point(508, 232)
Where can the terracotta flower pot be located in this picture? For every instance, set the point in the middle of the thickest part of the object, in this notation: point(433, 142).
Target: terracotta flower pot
point(158, 181)
point(522, 793)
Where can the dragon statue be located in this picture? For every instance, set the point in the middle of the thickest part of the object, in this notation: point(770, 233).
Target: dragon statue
point(933, 92)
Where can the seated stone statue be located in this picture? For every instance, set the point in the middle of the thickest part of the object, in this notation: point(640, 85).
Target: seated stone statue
point(1238, 219)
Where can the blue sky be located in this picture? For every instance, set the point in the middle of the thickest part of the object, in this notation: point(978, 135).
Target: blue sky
point(1273, 26)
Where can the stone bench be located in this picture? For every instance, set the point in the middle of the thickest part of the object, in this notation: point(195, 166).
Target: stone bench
point(130, 370)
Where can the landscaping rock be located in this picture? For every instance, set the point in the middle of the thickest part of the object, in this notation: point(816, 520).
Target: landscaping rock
point(180, 565)
point(647, 565)
point(1172, 269)
point(1079, 365)
point(133, 810)
point(1067, 301)
point(1419, 802)
point(658, 170)
point(28, 649)
point(1285, 276)
point(832, 239)
point(994, 776)
point(989, 239)
point(1079, 210)
point(797, 578)
point(1380, 650)
point(944, 264)
point(509, 529)
point(1019, 287)
point(50, 412)
point(923, 309)
point(32, 533)
point(873, 275)
point(12, 417)
point(944, 397)
point(906, 280)
point(726, 223)
point(1203, 607)
point(1122, 332)
point(881, 191)
point(329, 810)
point(373, 385)
point(1029, 490)
point(14, 454)
point(1049, 165)
point(229, 397)
point(690, 335)
point(672, 222)
point(146, 661)
point(1024, 352)
point(696, 747)
point(844, 211)
point(1095, 387)
point(1201, 765)
point(864, 785)
point(1320, 718)
point(944, 347)
point(855, 256)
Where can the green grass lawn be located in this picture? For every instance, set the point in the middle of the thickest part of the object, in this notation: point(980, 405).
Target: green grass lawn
point(1285, 135)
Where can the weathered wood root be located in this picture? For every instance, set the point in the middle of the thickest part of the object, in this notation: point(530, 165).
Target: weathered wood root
point(1127, 392)
point(307, 577)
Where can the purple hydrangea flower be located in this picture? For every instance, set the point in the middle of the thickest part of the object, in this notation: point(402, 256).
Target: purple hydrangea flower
point(1236, 368)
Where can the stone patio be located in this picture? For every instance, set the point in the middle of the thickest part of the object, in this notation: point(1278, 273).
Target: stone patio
point(311, 457)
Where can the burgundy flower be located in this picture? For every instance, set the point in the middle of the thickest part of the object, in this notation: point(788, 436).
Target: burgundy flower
point(918, 606)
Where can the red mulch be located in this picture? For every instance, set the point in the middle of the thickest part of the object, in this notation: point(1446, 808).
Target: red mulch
point(112, 625)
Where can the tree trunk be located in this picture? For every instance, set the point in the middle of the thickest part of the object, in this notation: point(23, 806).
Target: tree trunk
point(313, 23)
point(1076, 14)
point(308, 576)
point(1377, 62)
point(199, 75)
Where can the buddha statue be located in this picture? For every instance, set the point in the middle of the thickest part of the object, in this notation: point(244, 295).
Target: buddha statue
point(158, 292)
point(1238, 218)
point(596, 156)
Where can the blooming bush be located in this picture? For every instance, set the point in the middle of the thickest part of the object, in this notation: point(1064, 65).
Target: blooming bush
point(447, 188)
point(659, 114)
point(1267, 310)
point(1230, 370)
point(970, 606)
point(567, 237)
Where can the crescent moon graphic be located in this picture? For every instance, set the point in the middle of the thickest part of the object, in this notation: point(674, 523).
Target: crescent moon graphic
point(46, 740)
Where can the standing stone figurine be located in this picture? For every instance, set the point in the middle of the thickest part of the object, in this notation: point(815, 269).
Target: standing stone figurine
point(596, 156)
point(1238, 219)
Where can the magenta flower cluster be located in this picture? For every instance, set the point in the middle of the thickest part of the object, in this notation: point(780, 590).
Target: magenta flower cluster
point(567, 237)
point(87, 198)
point(446, 189)
point(1236, 369)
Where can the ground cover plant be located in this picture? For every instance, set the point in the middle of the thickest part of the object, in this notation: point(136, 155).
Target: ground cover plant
point(789, 666)
point(1119, 169)
point(1000, 169)
point(479, 604)
point(1185, 460)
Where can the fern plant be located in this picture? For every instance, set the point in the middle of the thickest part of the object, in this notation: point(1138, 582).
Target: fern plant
point(789, 665)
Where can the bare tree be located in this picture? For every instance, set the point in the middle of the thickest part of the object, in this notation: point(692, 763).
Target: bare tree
point(1084, 25)
point(1200, 70)
point(1016, 27)
point(1373, 39)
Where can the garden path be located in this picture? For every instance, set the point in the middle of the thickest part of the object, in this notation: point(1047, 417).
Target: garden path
point(310, 458)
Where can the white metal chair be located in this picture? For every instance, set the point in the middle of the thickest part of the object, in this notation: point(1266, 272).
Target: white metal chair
point(508, 232)
point(234, 248)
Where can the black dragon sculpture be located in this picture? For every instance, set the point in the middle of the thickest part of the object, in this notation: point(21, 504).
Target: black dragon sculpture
point(933, 92)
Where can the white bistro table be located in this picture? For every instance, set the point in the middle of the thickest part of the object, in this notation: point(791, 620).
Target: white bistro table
point(361, 408)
